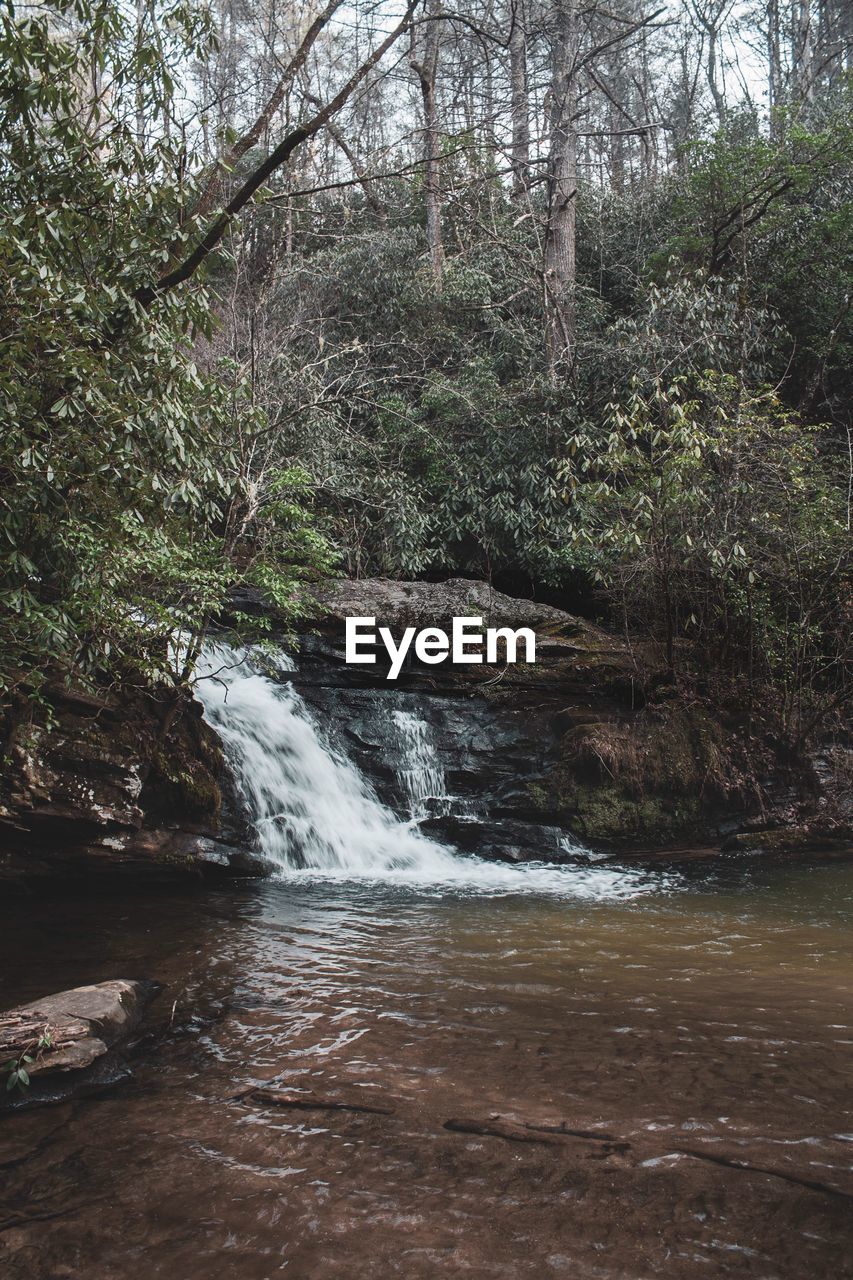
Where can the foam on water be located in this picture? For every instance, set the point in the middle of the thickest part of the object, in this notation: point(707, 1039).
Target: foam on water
point(317, 817)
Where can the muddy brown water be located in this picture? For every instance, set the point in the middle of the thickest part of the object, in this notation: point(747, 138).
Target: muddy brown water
point(657, 1086)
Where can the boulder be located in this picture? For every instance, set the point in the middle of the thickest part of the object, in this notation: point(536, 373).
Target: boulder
point(72, 1038)
point(434, 604)
point(571, 653)
point(398, 605)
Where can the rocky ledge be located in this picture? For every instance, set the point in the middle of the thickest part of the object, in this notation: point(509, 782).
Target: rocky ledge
point(69, 1043)
point(115, 780)
point(591, 741)
point(570, 651)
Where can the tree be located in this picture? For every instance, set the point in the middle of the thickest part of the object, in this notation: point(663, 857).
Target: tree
point(559, 266)
point(424, 63)
point(118, 477)
point(208, 237)
point(473, 319)
point(520, 99)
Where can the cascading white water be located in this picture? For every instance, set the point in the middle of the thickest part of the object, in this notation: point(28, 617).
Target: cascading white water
point(420, 772)
point(316, 815)
point(310, 806)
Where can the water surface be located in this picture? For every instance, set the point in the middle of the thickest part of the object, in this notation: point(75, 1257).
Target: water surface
point(696, 1026)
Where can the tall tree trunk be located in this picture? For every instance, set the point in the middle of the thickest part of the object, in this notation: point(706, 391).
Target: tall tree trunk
point(713, 81)
point(226, 74)
point(709, 17)
point(649, 140)
point(617, 151)
point(425, 67)
point(803, 51)
point(520, 100)
point(560, 265)
point(774, 65)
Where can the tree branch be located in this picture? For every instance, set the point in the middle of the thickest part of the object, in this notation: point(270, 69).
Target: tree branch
point(278, 157)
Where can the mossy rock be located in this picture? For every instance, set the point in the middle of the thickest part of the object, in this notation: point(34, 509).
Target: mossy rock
point(183, 780)
point(608, 813)
point(656, 777)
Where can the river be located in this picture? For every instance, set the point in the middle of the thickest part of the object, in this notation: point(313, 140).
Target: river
point(701, 1031)
point(386, 1060)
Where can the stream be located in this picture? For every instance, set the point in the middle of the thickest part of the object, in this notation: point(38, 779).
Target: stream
point(386, 1059)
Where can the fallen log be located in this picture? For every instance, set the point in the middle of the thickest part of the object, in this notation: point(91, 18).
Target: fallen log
point(307, 1102)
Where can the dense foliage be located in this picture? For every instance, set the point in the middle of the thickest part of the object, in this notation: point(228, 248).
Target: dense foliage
point(123, 507)
point(691, 482)
point(325, 390)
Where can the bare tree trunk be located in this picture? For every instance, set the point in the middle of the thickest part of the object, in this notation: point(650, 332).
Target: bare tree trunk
point(226, 72)
point(713, 83)
point(616, 123)
point(520, 101)
point(803, 51)
point(710, 16)
point(774, 65)
point(649, 145)
point(426, 69)
point(559, 265)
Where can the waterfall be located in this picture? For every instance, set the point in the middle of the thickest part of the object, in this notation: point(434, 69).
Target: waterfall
point(310, 806)
point(316, 815)
point(420, 773)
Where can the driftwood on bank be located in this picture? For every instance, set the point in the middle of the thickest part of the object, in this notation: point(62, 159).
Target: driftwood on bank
point(22, 1032)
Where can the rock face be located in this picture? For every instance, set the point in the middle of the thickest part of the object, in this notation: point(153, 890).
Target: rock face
point(70, 1038)
point(113, 782)
point(494, 733)
point(588, 744)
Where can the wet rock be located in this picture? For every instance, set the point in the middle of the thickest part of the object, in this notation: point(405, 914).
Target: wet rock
point(581, 746)
point(72, 1038)
point(111, 1009)
point(496, 730)
point(124, 781)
